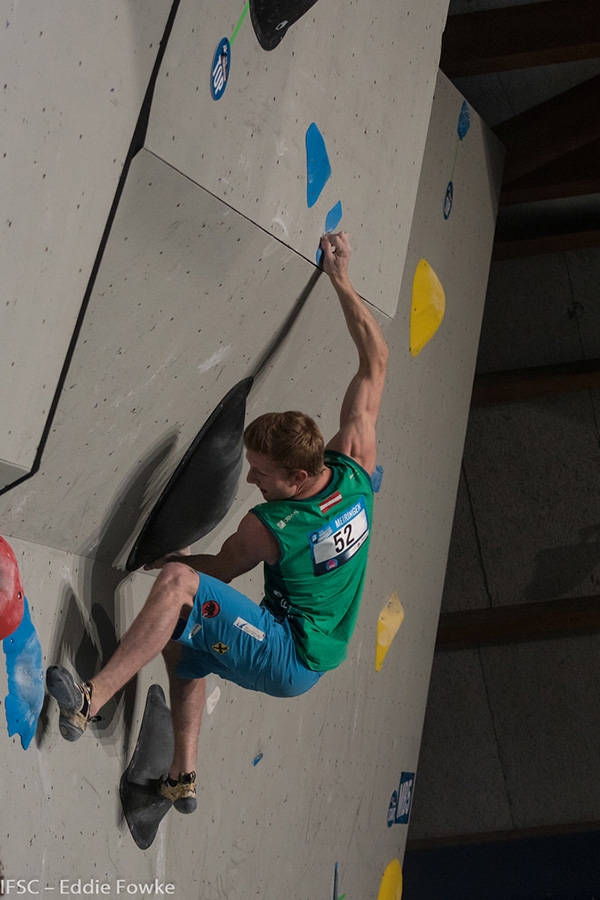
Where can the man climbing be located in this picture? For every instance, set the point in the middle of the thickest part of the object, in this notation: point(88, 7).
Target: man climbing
point(312, 535)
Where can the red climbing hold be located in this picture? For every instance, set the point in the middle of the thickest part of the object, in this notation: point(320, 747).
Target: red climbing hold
point(11, 591)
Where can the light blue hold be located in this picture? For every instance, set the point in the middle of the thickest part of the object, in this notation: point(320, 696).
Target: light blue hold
point(318, 168)
point(334, 217)
point(464, 120)
point(25, 679)
point(377, 478)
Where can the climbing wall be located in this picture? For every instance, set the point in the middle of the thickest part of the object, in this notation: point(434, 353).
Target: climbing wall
point(306, 798)
point(74, 78)
point(329, 99)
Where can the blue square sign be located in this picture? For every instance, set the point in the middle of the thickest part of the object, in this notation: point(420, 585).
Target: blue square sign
point(401, 801)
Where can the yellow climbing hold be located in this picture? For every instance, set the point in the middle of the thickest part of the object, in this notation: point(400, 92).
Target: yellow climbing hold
point(391, 883)
point(428, 306)
point(390, 620)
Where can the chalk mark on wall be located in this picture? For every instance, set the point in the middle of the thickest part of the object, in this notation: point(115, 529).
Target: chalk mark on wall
point(212, 699)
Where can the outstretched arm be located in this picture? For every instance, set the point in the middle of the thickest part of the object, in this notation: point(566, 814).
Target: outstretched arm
point(360, 407)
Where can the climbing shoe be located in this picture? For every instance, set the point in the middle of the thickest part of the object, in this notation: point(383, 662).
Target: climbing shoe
point(74, 701)
point(182, 792)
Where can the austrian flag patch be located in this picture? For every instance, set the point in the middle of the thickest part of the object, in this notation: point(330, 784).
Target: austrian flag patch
point(325, 505)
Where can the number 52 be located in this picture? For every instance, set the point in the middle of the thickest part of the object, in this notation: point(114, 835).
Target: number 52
point(343, 539)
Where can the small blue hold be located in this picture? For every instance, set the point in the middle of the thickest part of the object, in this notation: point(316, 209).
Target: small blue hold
point(376, 478)
point(257, 759)
point(25, 679)
point(332, 221)
point(464, 120)
point(334, 217)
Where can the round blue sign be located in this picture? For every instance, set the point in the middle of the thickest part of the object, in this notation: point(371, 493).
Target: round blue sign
point(219, 74)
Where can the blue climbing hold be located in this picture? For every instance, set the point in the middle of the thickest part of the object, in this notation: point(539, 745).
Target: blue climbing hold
point(464, 120)
point(318, 167)
point(25, 679)
point(376, 479)
point(334, 217)
point(332, 221)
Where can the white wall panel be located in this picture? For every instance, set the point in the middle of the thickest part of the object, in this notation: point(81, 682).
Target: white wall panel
point(74, 75)
point(364, 73)
point(188, 297)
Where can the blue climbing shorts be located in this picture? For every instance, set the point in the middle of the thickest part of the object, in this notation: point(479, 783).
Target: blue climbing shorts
point(231, 636)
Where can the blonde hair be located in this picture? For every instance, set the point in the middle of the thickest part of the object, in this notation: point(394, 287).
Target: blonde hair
point(291, 439)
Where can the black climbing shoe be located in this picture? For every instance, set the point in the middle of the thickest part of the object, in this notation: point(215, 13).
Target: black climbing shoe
point(74, 701)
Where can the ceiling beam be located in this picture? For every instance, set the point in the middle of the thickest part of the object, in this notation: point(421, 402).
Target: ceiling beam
point(536, 244)
point(572, 175)
point(517, 37)
point(485, 837)
point(522, 622)
point(548, 131)
point(541, 381)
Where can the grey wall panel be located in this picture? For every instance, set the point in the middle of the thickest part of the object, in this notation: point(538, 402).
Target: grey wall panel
point(536, 544)
point(584, 273)
point(462, 784)
point(465, 585)
point(74, 76)
point(529, 317)
point(544, 699)
point(364, 75)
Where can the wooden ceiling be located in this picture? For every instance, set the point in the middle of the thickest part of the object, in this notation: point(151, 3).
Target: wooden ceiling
point(552, 153)
point(552, 149)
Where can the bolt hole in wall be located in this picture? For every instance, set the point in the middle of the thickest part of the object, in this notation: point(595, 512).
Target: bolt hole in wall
point(544, 867)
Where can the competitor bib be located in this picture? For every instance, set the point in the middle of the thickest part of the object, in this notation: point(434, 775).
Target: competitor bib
point(336, 543)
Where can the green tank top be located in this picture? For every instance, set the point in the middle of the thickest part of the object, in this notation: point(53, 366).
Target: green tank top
point(319, 578)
